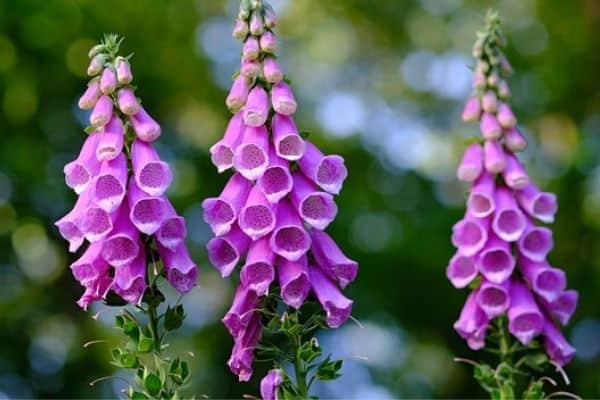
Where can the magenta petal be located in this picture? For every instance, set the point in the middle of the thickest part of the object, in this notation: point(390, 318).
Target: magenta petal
point(95, 290)
point(144, 126)
point(222, 152)
point(251, 157)
point(509, 221)
point(173, 230)
point(102, 111)
point(461, 270)
point(130, 279)
point(122, 245)
point(537, 204)
point(494, 157)
point(481, 201)
point(472, 109)
point(564, 306)
point(471, 164)
point(490, 128)
point(514, 140)
point(495, 261)
point(330, 258)
point(91, 95)
point(224, 252)
point(245, 303)
point(493, 298)
point(337, 307)
point(147, 212)
point(271, 70)
point(151, 174)
point(222, 212)
point(276, 182)
point(329, 172)
point(90, 266)
point(80, 172)
point(289, 240)
point(258, 272)
point(470, 234)
point(536, 242)
point(269, 385)
point(182, 272)
point(283, 99)
point(111, 140)
point(317, 208)
point(294, 281)
point(472, 323)
point(238, 94)
point(288, 143)
point(96, 223)
point(514, 173)
point(547, 282)
point(257, 217)
point(242, 354)
point(557, 347)
point(109, 186)
point(525, 318)
point(256, 110)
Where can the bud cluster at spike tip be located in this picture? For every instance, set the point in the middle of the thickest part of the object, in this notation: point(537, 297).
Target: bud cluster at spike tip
point(116, 208)
point(273, 211)
point(499, 241)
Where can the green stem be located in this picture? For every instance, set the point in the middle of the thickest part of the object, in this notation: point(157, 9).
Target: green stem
point(153, 326)
point(506, 387)
point(300, 371)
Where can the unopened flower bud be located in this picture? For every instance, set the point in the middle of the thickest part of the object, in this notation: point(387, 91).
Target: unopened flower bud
point(493, 79)
point(108, 80)
point(482, 67)
point(268, 42)
point(97, 49)
point(514, 140)
point(472, 109)
point(270, 17)
point(238, 94)
point(102, 111)
point(96, 64)
point(505, 116)
point(124, 75)
point(479, 80)
point(271, 70)
point(250, 68)
point(503, 90)
point(505, 65)
point(244, 9)
point(256, 24)
point(90, 96)
point(489, 102)
point(127, 101)
point(251, 50)
point(478, 48)
point(240, 29)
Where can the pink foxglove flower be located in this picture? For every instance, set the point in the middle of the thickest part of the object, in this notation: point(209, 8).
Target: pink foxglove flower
point(115, 209)
point(273, 211)
point(499, 241)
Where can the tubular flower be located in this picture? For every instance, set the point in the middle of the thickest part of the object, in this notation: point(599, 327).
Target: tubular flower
point(501, 251)
point(122, 205)
point(273, 211)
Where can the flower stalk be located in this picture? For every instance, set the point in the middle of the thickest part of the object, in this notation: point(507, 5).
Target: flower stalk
point(501, 251)
point(137, 240)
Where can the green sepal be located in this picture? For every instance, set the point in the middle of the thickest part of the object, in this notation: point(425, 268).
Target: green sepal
point(152, 384)
point(174, 317)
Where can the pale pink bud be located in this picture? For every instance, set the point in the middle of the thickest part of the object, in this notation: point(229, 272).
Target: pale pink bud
point(90, 96)
point(268, 42)
point(271, 70)
point(124, 75)
point(250, 68)
point(489, 102)
point(96, 65)
point(240, 29)
point(505, 116)
point(108, 80)
point(256, 24)
point(514, 140)
point(127, 101)
point(270, 17)
point(238, 94)
point(490, 128)
point(472, 110)
point(479, 80)
point(251, 49)
point(503, 90)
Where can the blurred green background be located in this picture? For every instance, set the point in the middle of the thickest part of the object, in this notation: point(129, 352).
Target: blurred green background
point(380, 82)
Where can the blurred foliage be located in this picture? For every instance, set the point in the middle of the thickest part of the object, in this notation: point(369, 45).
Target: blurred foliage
point(357, 66)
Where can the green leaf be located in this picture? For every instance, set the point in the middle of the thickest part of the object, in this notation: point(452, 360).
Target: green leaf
point(137, 396)
point(174, 317)
point(185, 371)
point(145, 344)
point(309, 351)
point(329, 370)
point(153, 297)
point(152, 384)
point(484, 374)
point(131, 329)
point(128, 360)
point(119, 321)
point(535, 391)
